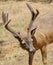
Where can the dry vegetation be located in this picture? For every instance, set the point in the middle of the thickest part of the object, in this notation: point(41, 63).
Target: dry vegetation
point(46, 1)
point(10, 50)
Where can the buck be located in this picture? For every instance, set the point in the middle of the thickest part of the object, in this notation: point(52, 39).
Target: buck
point(38, 37)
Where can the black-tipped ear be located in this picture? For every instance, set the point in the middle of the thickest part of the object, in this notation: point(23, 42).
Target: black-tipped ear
point(33, 31)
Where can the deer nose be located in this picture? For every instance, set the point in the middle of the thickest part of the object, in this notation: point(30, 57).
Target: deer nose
point(32, 50)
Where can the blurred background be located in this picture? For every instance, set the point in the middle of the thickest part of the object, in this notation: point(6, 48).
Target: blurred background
point(10, 51)
point(48, 1)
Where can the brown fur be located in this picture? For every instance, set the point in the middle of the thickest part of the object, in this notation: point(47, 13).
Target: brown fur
point(43, 35)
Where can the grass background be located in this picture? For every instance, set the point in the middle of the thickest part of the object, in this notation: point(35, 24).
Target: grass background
point(10, 51)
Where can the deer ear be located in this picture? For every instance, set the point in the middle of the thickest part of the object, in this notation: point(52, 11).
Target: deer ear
point(33, 31)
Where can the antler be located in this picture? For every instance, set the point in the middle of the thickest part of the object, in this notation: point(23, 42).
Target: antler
point(33, 16)
point(6, 22)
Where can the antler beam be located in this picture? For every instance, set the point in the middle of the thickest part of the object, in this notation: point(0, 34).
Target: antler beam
point(34, 15)
point(6, 22)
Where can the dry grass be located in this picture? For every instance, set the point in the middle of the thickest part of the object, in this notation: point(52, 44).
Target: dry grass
point(10, 51)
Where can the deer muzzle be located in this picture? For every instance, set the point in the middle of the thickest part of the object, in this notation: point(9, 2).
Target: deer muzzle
point(32, 50)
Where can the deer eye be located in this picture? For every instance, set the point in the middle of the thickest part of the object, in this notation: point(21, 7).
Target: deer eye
point(23, 42)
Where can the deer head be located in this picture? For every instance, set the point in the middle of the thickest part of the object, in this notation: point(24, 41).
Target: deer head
point(27, 42)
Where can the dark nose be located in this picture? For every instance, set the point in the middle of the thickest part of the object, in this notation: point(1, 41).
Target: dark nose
point(32, 50)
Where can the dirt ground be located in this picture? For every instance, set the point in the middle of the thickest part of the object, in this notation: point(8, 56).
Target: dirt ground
point(10, 51)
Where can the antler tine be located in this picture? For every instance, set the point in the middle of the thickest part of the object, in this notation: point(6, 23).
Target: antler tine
point(6, 22)
point(34, 15)
point(37, 13)
point(5, 18)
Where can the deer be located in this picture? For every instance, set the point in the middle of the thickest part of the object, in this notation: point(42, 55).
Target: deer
point(26, 42)
point(42, 35)
point(36, 38)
